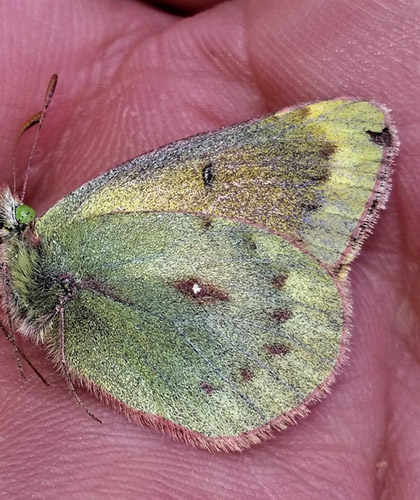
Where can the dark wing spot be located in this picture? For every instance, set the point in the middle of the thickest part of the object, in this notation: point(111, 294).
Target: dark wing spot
point(207, 388)
point(310, 207)
point(281, 315)
point(279, 281)
point(206, 222)
point(250, 242)
point(318, 169)
point(327, 150)
point(202, 293)
point(246, 374)
point(383, 138)
point(252, 245)
point(208, 175)
point(276, 349)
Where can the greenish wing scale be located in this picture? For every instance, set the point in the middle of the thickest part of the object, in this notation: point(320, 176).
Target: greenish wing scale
point(218, 326)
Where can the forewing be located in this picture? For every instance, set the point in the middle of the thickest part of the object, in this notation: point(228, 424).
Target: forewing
point(317, 172)
point(220, 327)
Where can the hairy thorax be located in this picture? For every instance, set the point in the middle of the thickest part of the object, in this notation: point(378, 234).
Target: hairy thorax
point(23, 288)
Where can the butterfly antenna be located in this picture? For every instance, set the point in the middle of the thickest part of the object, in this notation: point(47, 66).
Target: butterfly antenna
point(36, 119)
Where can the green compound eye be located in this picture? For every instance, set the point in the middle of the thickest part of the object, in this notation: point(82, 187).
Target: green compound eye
point(25, 214)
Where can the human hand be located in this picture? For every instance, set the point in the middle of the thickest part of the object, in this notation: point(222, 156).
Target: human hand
point(131, 78)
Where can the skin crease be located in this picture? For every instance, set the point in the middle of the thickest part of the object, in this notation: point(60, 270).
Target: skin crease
point(133, 77)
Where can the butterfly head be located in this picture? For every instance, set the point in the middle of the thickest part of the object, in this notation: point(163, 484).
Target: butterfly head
point(14, 215)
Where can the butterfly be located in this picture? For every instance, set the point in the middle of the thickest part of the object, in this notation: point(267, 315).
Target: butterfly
point(202, 288)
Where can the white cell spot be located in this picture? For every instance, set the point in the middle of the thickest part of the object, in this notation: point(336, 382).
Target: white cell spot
point(196, 288)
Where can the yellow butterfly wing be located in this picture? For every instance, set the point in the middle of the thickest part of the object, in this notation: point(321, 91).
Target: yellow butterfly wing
point(212, 329)
point(317, 172)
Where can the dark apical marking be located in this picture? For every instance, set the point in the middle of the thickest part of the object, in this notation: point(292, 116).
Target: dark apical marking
point(206, 222)
point(207, 388)
point(327, 150)
point(246, 374)
point(202, 293)
point(208, 175)
point(281, 315)
point(383, 138)
point(280, 280)
point(276, 349)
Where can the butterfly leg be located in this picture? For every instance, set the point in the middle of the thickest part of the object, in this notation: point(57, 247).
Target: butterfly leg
point(20, 354)
point(64, 367)
point(10, 332)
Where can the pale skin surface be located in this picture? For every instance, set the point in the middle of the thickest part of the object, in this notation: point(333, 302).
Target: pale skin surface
point(132, 77)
